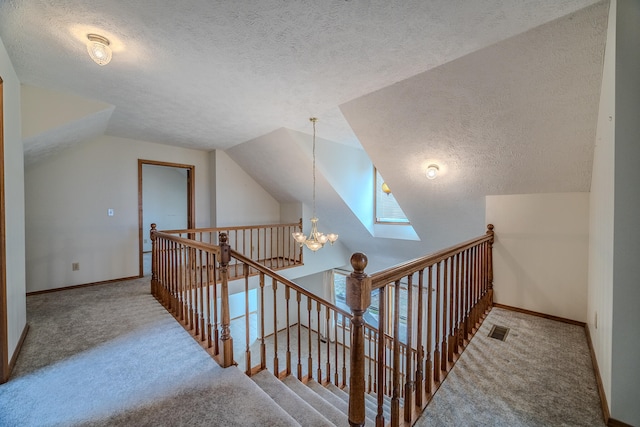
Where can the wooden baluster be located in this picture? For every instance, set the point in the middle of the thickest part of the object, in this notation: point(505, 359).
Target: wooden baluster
point(395, 391)
point(376, 363)
point(210, 283)
point(278, 247)
point(328, 338)
point(287, 297)
point(452, 297)
point(443, 354)
point(429, 364)
point(335, 345)
point(276, 367)
point(226, 341)
point(358, 295)
point(467, 292)
point(309, 358)
point(271, 252)
point(298, 300)
point(456, 332)
point(247, 321)
point(263, 348)
point(319, 343)
point(202, 285)
point(251, 243)
point(476, 276)
point(183, 308)
point(216, 329)
point(193, 291)
point(436, 353)
point(419, 386)
point(369, 339)
point(409, 384)
point(345, 320)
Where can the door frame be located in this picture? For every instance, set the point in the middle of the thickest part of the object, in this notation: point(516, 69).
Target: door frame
point(191, 211)
point(4, 331)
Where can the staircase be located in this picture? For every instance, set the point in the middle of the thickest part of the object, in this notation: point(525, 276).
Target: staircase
point(431, 307)
point(313, 404)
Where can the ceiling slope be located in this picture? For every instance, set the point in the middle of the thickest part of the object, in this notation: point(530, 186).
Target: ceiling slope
point(516, 117)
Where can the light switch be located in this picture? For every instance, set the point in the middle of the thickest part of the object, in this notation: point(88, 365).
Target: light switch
point(110, 212)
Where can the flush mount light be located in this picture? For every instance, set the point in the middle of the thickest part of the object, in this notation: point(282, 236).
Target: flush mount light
point(432, 171)
point(98, 48)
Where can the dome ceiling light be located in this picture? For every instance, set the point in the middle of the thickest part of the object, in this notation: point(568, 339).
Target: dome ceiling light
point(98, 48)
point(432, 171)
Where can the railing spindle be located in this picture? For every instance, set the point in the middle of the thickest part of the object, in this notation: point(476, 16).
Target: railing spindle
point(419, 387)
point(274, 286)
point(298, 300)
point(287, 296)
point(408, 368)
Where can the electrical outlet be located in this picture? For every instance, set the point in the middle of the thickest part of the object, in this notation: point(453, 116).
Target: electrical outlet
point(75, 266)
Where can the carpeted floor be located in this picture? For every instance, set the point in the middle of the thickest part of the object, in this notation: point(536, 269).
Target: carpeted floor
point(541, 375)
point(111, 355)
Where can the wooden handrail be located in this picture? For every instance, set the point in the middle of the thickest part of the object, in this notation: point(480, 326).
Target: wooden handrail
point(187, 242)
point(399, 271)
point(238, 227)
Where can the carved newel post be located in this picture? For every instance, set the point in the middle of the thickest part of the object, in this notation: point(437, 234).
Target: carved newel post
point(154, 260)
point(226, 342)
point(358, 299)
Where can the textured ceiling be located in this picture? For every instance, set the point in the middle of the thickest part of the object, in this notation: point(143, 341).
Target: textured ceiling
point(212, 74)
point(502, 94)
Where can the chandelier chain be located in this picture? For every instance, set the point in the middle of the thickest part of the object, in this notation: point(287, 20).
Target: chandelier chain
point(314, 167)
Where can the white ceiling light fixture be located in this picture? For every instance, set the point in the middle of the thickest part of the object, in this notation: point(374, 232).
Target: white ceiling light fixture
point(432, 171)
point(98, 48)
point(316, 239)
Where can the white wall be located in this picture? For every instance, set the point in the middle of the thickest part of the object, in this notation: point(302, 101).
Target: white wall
point(240, 200)
point(67, 197)
point(541, 252)
point(14, 203)
point(164, 199)
point(625, 356)
point(601, 208)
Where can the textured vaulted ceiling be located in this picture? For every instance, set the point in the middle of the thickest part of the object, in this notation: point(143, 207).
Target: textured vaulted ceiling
point(503, 94)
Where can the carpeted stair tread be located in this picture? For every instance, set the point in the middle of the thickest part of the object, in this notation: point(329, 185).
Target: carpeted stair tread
point(371, 402)
point(312, 398)
point(371, 409)
point(386, 406)
point(335, 400)
point(288, 400)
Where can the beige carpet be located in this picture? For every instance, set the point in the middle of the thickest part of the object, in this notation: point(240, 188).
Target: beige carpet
point(541, 375)
point(111, 355)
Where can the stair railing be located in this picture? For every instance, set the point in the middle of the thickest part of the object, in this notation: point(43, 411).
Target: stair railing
point(453, 287)
point(269, 244)
point(454, 291)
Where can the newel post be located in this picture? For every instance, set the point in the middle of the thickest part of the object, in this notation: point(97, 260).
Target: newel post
point(358, 299)
point(154, 260)
point(490, 265)
point(226, 342)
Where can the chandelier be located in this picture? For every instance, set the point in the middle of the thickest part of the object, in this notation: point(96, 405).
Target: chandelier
point(316, 239)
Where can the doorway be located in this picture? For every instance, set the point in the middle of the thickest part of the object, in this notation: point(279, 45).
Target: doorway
point(166, 196)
